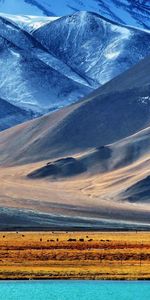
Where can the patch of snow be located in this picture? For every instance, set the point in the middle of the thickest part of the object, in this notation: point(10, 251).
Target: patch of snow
point(29, 23)
point(144, 100)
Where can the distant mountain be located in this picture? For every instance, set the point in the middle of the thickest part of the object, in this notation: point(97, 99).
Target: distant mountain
point(30, 76)
point(130, 12)
point(94, 47)
point(65, 59)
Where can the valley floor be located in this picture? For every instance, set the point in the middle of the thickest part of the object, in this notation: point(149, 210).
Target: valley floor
point(75, 255)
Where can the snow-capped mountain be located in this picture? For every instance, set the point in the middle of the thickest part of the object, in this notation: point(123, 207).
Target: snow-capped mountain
point(92, 46)
point(30, 76)
point(65, 59)
point(131, 12)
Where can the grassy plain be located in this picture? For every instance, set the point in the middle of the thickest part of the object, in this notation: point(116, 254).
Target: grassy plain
point(75, 255)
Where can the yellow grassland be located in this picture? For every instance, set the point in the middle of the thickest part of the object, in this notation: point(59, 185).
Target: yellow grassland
point(75, 255)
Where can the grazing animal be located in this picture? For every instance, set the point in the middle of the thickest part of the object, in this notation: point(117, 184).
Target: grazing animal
point(81, 240)
point(90, 240)
point(71, 240)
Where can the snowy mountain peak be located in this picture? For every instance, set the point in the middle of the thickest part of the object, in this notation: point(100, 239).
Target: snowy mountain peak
point(28, 22)
point(132, 12)
point(92, 46)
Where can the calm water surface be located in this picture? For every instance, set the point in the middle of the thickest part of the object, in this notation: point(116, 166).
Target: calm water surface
point(74, 290)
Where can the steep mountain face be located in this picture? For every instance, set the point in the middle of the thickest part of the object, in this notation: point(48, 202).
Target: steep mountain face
point(118, 109)
point(131, 12)
point(31, 77)
point(65, 59)
point(94, 47)
point(11, 115)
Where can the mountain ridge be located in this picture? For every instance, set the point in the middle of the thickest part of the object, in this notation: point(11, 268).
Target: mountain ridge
point(65, 73)
point(135, 13)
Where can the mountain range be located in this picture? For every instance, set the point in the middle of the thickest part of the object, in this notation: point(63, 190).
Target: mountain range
point(64, 59)
point(74, 114)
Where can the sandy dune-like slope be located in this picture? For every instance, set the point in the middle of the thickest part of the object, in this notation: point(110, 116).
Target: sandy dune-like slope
point(118, 109)
point(89, 200)
point(104, 143)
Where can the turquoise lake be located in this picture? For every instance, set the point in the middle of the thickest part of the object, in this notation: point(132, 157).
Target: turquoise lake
point(74, 290)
